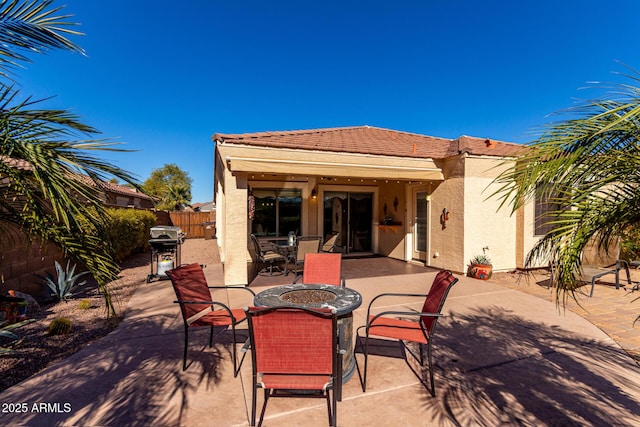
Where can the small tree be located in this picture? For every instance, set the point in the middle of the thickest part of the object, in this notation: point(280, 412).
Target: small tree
point(171, 186)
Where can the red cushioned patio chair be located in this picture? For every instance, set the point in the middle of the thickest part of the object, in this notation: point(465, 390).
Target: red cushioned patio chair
point(408, 326)
point(323, 269)
point(198, 309)
point(295, 353)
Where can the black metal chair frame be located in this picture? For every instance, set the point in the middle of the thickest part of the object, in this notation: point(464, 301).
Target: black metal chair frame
point(234, 323)
point(268, 257)
point(403, 314)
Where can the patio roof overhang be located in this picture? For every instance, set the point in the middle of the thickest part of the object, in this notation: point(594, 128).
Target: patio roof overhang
point(293, 162)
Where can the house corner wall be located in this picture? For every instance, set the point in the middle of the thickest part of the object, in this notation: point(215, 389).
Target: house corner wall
point(233, 230)
point(447, 238)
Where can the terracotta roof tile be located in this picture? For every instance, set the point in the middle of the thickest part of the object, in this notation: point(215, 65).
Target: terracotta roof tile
point(15, 163)
point(115, 188)
point(371, 140)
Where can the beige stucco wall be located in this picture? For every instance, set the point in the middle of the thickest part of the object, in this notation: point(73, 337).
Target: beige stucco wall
point(485, 225)
point(447, 244)
point(233, 229)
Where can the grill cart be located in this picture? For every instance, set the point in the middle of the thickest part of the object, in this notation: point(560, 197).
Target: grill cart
point(165, 245)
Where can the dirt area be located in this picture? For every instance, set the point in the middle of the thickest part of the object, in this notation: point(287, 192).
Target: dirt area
point(37, 350)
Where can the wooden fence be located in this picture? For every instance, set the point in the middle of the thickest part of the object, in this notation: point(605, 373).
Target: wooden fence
point(194, 224)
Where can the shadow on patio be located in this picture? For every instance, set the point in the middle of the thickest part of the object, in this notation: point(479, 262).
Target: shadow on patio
point(502, 357)
point(496, 367)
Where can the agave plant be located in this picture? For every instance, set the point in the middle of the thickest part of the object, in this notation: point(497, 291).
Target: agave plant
point(5, 331)
point(480, 259)
point(62, 288)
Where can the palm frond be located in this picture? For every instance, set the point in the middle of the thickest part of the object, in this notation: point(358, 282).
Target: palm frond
point(30, 26)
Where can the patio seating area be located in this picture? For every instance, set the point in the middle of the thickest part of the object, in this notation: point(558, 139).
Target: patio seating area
point(505, 354)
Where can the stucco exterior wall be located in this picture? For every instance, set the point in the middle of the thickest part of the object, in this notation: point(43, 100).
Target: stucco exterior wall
point(447, 242)
point(485, 226)
point(233, 229)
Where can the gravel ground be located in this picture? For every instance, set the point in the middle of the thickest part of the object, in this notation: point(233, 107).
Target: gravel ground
point(36, 349)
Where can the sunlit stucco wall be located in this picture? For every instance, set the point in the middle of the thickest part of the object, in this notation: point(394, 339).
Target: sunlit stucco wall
point(232, 228)
point(447, 238)
point(486, 226)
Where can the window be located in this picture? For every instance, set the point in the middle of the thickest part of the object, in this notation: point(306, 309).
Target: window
point(277, 212)
point(546, 211)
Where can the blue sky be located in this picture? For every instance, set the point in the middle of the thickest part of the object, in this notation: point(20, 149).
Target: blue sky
point(164, 76)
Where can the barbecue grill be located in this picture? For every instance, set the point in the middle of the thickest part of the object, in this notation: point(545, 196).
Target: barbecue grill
point(165, 245)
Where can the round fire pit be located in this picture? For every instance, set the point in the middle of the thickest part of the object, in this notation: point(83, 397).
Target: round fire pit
point(308, 296)
point(343, 300)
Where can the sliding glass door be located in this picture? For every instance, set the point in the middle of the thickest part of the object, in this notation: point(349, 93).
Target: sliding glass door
point(351, 215)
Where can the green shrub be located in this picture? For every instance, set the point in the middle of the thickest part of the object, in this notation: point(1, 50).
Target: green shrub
point(60, 326)
point(630, 248)
point(128, 232)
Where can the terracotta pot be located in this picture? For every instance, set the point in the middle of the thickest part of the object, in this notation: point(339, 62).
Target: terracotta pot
point(480, 271)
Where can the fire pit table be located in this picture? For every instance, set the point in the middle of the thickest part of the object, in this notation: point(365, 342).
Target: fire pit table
point(344, 300)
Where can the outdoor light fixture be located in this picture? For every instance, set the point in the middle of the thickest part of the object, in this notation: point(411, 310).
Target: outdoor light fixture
point(313, 194)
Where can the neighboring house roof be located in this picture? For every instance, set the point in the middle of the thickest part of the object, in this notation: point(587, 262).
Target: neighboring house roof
point(373, 141)
point(124, 190)
point(115, 188)
point(104, 185)
point(204, 207)
point(15, 163)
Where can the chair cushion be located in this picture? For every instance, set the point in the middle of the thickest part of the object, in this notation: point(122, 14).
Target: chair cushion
point(272, 256)
point(400, 329)
point(219, 318)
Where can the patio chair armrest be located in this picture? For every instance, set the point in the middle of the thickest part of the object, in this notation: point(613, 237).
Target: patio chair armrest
point(233, 288)
point(403, 313)
point(623, 263)
point(392, 294)
point(212, 303)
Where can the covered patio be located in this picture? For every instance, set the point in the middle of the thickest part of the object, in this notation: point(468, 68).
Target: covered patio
point(502, 357)
point(401, 195)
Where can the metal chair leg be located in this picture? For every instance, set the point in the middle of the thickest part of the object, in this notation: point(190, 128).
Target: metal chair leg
point(186, 348)
point(433, 384)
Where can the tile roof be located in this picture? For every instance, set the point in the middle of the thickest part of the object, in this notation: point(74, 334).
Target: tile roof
point(113, 188)
point(372, 140)
point(15, 163)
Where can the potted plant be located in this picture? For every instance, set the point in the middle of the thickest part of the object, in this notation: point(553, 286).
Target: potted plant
point(480, 267)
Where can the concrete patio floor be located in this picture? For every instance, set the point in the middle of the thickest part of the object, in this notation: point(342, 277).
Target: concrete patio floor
point(503, 356)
